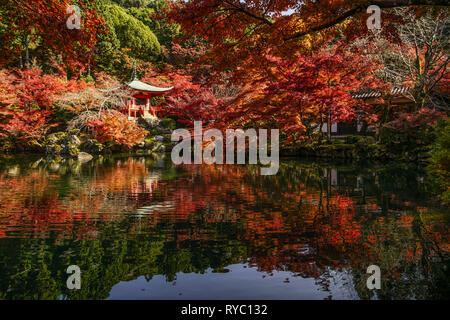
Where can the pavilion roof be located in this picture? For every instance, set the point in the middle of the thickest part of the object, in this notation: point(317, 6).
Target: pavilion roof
point(141, 86)
point(372, 93)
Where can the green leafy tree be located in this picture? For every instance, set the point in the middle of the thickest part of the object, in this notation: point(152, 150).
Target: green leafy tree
point(165, 32)
point(132, 33)
point(133, 3)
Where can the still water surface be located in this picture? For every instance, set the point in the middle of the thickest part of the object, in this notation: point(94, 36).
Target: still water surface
point(140, 228)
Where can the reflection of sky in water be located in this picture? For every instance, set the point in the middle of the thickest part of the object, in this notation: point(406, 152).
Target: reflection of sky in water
point(280, 285)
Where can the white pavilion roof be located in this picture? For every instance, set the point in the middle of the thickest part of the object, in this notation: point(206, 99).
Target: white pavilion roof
point(141, 86)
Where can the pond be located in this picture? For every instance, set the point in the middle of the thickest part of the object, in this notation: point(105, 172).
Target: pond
point(139, 227)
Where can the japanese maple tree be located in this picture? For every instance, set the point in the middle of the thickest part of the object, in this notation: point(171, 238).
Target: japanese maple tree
point(114, 127)
point(241, 31)
point(43, 23)
point(189, 100)
point(26, 100)
point(296, 94)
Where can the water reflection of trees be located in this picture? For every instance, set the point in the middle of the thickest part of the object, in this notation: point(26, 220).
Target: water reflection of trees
point(122, 218)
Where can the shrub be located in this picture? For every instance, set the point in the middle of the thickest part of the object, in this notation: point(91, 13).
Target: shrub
point(411, 134)
point(114, 127)
point(439, 168)
point(168, 123)
point(26, 130)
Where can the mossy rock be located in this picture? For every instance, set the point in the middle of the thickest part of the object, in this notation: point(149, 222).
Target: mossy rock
point(74, 132)
point(149, 123)
point(56, 137)
point(57, 148)
point(73, 140)
point(84, 157)
point(149, 143)
point(92, 146)
point(6, 146)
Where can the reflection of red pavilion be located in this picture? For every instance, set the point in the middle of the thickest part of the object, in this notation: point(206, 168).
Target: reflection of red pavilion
point(139, 105)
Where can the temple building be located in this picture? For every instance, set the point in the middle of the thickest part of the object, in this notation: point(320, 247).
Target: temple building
point(139, 104)
point(398, 96)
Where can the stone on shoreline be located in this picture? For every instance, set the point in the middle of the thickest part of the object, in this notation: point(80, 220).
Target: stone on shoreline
point(84, 157)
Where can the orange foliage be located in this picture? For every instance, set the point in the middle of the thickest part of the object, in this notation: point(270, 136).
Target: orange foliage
point(26, 99)
point(113, 126)
point(240, 32)
point(44, 21)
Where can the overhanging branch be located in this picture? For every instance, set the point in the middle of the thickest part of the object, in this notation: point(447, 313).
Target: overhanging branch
point(386, 4)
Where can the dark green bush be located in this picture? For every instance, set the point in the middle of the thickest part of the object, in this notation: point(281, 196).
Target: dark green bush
point(439, 168)
point(168, 123)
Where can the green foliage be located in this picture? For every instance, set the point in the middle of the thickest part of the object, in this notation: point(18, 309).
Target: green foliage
point(132, 33)
point(107, 52)
point(132, 3)
point(407, 145)
point(150, 142)
point(164, 31)
point(168, 123)
point(88, 79)
point(410, 135)
point(440, 160)
point(144, 9)
point(360, 140)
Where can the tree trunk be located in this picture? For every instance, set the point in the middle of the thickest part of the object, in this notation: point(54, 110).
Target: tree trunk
point(320, 128)
point(329, 127)
point(27, 53)
point(384, 119)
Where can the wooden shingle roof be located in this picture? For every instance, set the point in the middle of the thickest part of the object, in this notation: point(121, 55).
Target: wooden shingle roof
point(373, 93)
